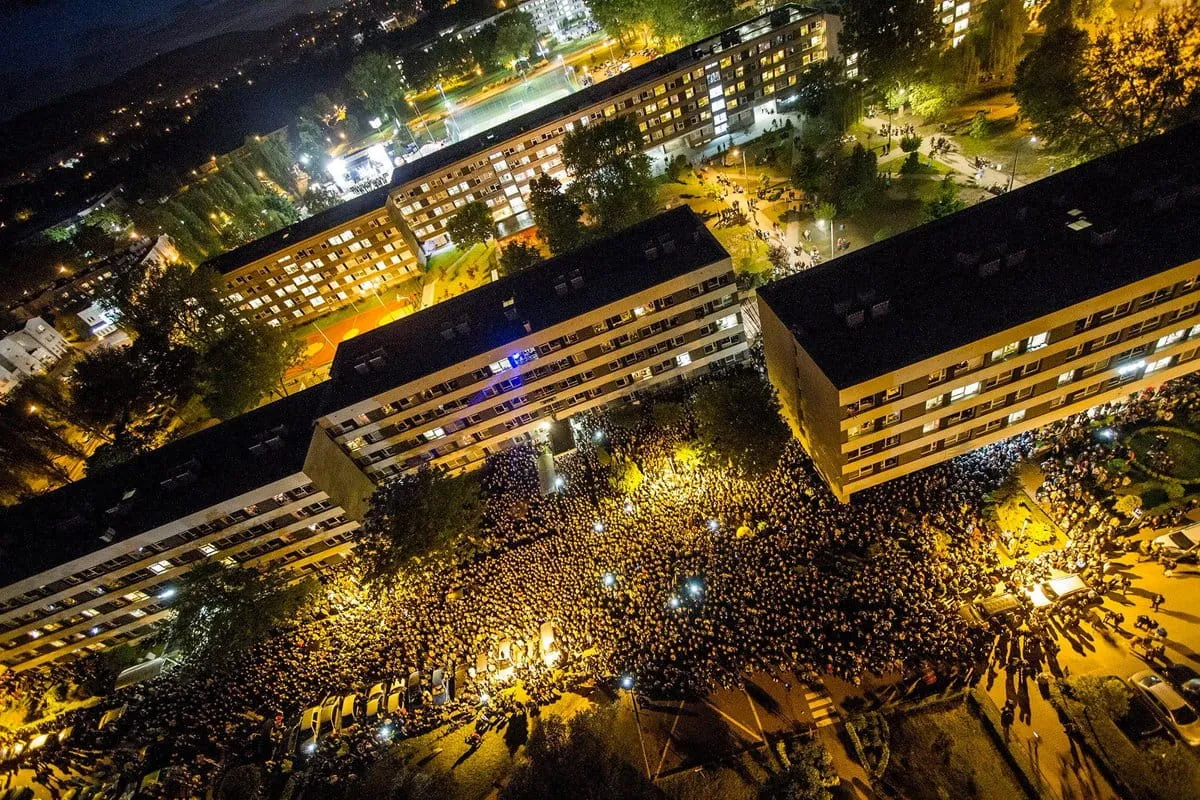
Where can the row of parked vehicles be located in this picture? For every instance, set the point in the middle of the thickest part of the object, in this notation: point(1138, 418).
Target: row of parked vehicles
point(1044, 595)
point(15, 752)
point(397, 697)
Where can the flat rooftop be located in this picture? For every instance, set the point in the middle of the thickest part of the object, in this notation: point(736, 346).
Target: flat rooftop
point(169, 483)
point(326, 220)
point(656, 250)
point(1046, 246)
point(598, 92)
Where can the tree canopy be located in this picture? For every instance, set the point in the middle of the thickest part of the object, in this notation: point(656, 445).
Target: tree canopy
point(518, 256)
point(612, 180)
point(556, 215)
point(893, 38)
point(945, 202)
point(738, 422)
point(471, 225)
point(1089, 94)
point(221, 610)
point(415, 515)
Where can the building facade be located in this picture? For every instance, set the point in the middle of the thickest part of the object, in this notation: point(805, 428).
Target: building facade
point(324, 263)
point(484, 371)
point(556, 17)
point(688, 97)
point(93, 565)
point(1065, 294)
point(376, 241)
point(32, 350)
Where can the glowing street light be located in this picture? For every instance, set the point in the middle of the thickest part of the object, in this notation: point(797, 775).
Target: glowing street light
point(598, 526)
point(628, 506)
point(713, 525)
point(740, 152)
point(627, 682)
point(609, 580)
point(695, 587)
point(674, 602)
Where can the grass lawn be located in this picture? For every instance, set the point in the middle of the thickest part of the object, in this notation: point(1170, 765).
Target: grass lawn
point(748, 251)
point(944, 752)
point(1182, 449)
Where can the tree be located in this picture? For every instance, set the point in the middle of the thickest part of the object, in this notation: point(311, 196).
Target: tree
point(556, 215)
point(1101, 693)
point(612, 175)
point(945, 202)
point(910, 144)
point(1000, 34)
point(893, 38)
point(825, 212)
point(318, 198)
point(738, 422)
point(416, 515)
point(582, 753)
point(471, 225)
point(849, 181)
point(518, 256)
point(379, 82)
point(1132, 80)
point(808, 775)
point(125, 391)
point(515, 37)
point(243, 366)
point(189, 340)
point(219, 610)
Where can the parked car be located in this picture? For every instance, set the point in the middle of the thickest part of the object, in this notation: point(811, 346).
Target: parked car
point(1170, 705)
point(1183, 543)
point(374, 701)
point(1058, 590)
point(395, 696)
point(1185, 680)
point(347, 713)
point(1141, 720)
point(991, 608)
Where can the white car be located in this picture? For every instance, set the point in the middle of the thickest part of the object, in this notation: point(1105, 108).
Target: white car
point(374, 705)
point(1182, 542)
point(347, 714)
point(1169, 704)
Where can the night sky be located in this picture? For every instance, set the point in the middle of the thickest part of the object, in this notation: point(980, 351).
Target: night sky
point(53, 47)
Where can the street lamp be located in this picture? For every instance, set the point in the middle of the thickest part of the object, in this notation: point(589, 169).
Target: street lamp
point(736, 152)
point(420, 116)
point(1012, 177)
point(821, 226)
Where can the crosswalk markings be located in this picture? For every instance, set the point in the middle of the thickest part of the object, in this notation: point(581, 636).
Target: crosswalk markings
point(821, 706)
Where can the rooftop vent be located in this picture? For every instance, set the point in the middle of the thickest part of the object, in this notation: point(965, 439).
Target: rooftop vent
point(576, 280)
point(1100, 238)
point(855, 318)
point(989, 268)
point(865, 296)
point(841, 307)
point(667, 242)
point(447, 333)
point(1014, 258)
point(462, 327)
point(560, 286)
point(509, 307)
point(882, 308)
point(967, 259)
point(108, 535)
point(1166, 201)
point(651, 251)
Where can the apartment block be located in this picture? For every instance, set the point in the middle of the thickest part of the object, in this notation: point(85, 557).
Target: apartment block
point(1073, 291)
point(374, 242)
point(687, 97)
point(340, 256)
point(93, 565)
point(494, 367)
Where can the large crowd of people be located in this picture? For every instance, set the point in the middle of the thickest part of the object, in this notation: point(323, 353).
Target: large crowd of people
point(695, 580)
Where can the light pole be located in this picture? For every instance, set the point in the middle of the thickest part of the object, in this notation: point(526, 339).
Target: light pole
point(821, 224)
point(738, 151)
point(1012, 177)
point(420, 117)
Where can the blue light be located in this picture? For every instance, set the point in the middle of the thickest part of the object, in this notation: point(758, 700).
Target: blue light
point(695, 587)
point(626, 681)
point(713, 525)
point(609, 580)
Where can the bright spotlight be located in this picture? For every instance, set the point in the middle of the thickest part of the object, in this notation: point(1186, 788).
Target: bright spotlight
point(609, 580)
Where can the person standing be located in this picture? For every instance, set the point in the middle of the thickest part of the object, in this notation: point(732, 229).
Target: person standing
point(1157, 601)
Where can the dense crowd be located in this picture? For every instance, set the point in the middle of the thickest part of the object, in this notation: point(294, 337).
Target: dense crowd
point(693, 581)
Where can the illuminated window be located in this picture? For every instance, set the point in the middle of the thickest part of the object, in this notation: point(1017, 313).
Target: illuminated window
point(1037, 341)
point(1016, 416)
point(683, 359)
point(1162, 363)
point(1006, 351)
point(160, 567)
point(1169, 339)
point(964, 391)
point(435, 433)
point(1066, 377)
point(931, 426)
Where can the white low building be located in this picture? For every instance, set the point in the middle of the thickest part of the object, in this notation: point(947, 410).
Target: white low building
point(33, 350)
point(99, 319)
